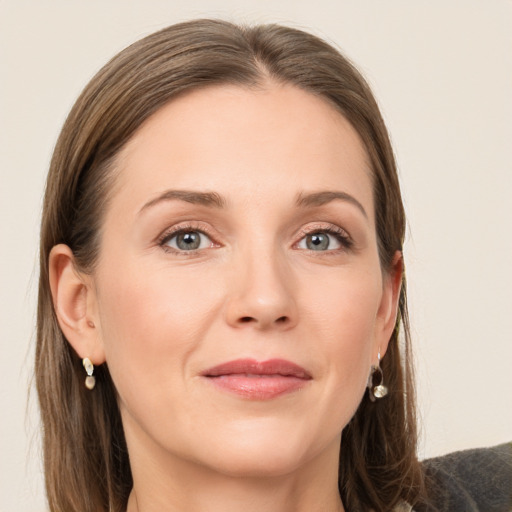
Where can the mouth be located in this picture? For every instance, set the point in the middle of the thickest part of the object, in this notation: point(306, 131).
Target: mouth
point(256, 380)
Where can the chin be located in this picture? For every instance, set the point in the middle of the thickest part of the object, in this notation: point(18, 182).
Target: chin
point(264, 452)
point(258, 464)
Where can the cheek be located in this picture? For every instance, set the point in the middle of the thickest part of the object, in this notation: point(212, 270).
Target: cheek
point(345, 308)
point(151, 322)
point(343, 315)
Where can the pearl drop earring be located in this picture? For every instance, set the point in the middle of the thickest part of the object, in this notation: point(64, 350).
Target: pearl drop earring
point(90, 380)
point(378, 391)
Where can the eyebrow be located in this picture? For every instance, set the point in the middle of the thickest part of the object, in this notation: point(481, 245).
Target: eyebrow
point(189, 196)
point(213, 199)
point(321, 198)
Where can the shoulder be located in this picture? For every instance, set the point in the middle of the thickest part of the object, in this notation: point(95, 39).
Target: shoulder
point(477, 480)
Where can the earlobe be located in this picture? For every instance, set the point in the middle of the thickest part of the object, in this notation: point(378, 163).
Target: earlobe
point(388, 309)
point(73, 297)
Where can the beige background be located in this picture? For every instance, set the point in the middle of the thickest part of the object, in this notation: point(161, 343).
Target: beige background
point(442, 72)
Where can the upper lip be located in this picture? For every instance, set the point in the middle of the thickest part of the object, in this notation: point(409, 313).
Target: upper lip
point(280, 367)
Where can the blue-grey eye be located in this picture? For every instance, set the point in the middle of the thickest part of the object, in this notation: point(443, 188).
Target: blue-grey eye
point(189, 241)
point(319, 241)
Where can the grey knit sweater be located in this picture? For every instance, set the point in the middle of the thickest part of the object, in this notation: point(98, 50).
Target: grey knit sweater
point(478, 480)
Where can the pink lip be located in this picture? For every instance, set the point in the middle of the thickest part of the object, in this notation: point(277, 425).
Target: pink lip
point(258, 380)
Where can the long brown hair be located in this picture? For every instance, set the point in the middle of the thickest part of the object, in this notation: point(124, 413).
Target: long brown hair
point(85, 456)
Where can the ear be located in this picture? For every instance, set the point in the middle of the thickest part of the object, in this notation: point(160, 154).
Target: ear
point(75, 304)
point(388, 308)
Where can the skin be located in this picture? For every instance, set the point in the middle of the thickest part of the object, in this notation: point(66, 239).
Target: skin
point(254, 288)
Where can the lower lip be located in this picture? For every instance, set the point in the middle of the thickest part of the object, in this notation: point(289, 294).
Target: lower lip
point(258, 387)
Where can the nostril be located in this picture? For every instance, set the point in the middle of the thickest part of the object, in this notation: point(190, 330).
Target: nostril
point(282, 320)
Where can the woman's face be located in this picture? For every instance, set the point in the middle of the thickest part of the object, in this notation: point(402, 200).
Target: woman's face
point(238, 295)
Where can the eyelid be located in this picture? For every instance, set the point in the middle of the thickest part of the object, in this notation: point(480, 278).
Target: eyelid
point(318, 227)
point(174, 230)
point(326, 227)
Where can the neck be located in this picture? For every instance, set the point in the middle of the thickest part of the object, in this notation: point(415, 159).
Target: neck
point(164, 483)
point(244, 494)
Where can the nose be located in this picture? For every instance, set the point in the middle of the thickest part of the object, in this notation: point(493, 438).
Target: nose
point(261, 293)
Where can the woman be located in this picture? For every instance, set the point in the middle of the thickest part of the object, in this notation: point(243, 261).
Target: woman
point(221, 263)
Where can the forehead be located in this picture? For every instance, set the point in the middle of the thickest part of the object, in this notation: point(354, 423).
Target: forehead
point(277, 140)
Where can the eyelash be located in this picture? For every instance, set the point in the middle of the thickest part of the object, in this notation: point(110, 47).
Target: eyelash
point(338, 233)
point(169, 234)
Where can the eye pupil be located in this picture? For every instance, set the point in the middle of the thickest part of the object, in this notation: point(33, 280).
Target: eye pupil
point(317, 241)
point(188, 241)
